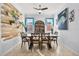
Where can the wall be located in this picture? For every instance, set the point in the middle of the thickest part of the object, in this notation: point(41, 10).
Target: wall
point(70, 37)
point(6, 46)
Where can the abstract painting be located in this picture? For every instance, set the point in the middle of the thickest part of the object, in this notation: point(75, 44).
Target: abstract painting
point(63, 20)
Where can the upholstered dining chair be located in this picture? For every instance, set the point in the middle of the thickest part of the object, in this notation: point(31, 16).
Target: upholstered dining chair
point(46, 39)
point(54, 38)
point(34, 40)
point(24, 39)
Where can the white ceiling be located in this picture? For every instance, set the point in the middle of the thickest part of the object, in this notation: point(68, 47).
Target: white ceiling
point(27, 8)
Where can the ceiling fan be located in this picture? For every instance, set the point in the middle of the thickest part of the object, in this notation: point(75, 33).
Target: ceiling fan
point(40, 9)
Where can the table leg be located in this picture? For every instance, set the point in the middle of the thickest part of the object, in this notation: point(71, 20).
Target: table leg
point(49, 44)
point(56, 42)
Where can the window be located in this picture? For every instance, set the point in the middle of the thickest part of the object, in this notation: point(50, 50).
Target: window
point(49, 24)
point(29, 22)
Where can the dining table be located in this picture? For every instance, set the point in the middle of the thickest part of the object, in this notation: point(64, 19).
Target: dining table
point(51, 38)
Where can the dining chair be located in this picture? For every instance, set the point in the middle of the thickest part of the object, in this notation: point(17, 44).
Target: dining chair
point(34, 39)
point(24, 38)
point(46, 39)
point(54, 39)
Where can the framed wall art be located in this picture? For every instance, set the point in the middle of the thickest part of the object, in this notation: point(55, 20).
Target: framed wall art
point(63, 20)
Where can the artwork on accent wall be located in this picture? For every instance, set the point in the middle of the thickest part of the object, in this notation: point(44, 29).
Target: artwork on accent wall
point(63, 20)
point(49, 24)
point(71, 16)
point(29, 22)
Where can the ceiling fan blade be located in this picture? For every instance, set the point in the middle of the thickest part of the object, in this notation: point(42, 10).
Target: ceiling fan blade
point(36, 8)
point(44, 8)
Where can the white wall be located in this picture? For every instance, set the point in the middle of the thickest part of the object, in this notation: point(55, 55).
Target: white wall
point(70, 37)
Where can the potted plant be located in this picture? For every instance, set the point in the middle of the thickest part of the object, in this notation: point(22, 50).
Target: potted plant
point(23, 26)
point(14, 15)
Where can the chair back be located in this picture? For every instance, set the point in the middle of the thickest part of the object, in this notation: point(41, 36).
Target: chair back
point(23, 35)
point(45, 36)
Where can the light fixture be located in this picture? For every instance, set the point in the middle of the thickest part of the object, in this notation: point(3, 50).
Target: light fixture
point(39, 11)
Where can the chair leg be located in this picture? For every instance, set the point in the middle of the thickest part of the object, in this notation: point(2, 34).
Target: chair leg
point(31, 46)
point(40, 45)
point(21, 44)
point(24, 43)
point(28, 43)
point(56, 43)
point(49, 45)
